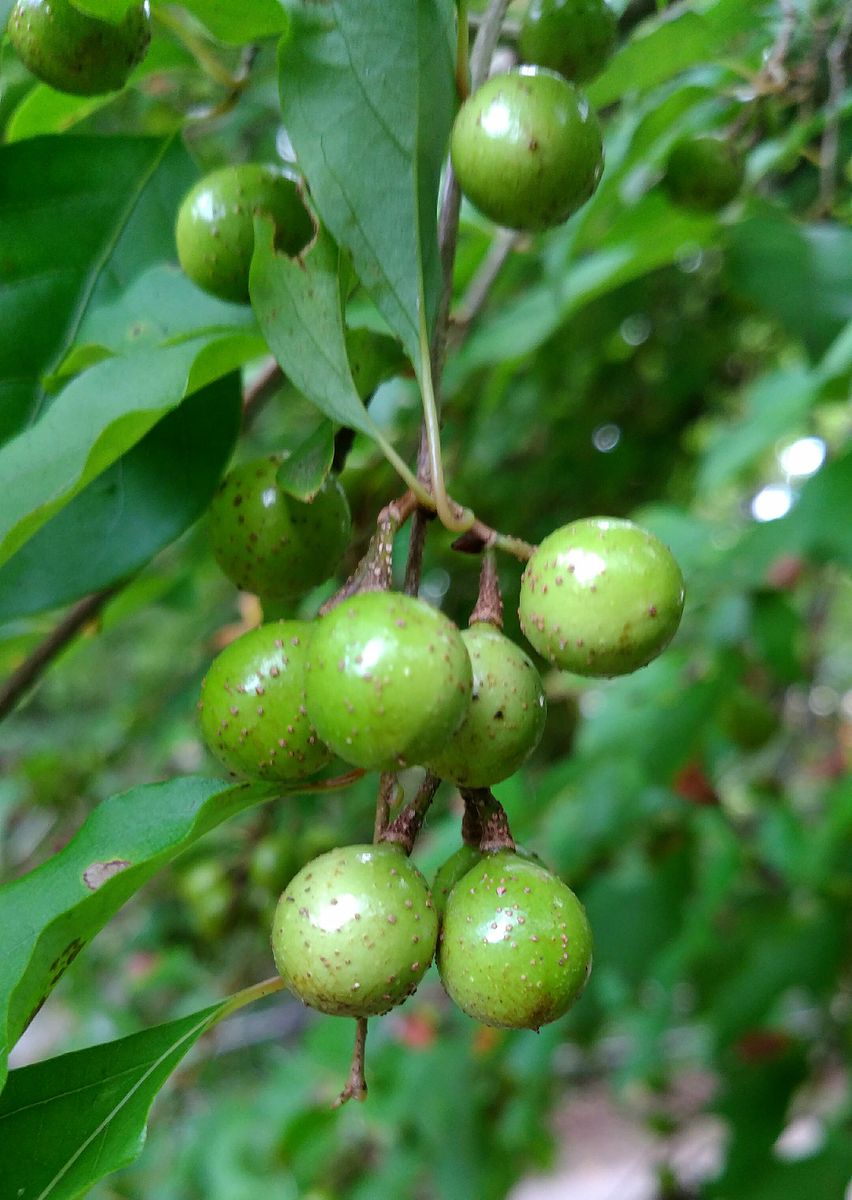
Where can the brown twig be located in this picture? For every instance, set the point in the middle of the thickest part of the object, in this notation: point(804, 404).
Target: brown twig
point(374, 572)
point(403, 830)
point(356, 1085)
point(496, 834)
point(489, 602)
point(262, 389)
point(33, 667)
point(474, 300)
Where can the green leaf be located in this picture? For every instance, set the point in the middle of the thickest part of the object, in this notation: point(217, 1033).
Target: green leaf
point(304, 471)
point(668, 45)
point(139, 505)
point(775, 263)
point(119, 197)
point(48, 916)
point(83, 1115)
point(239, 23)
point(298, 306)
point(95, 420)
point(367, 99)
point(44, 110)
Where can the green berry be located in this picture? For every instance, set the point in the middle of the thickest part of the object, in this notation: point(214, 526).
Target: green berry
point(272, 863)
point(77, 53)
point(209, 894)
point(253, 715)
point(573, 37)
point(506, 717)
point(388, 681)
point(703, 173)
point(268, 542)
point(516, 948)
point(601, 597)
point(526, 148)
point(215, 225)
point(457, 866)
point(355, 931)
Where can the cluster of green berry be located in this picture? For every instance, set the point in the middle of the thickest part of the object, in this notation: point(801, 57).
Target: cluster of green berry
point(384, 681)
point(381, 679)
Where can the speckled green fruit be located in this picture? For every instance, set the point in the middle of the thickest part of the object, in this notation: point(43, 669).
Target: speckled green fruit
point(526, 148)
point(388, 680)
point(457, 866)
point(601, 597)
point(269, 543)
point(704, 173)
point(355, 931)
point(215, 225)
point(252, 705)
point(573, 37)
point(515, 948)
point(506, 717)
point(77, 53)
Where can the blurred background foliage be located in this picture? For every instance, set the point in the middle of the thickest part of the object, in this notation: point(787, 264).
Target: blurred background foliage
point(691, 371)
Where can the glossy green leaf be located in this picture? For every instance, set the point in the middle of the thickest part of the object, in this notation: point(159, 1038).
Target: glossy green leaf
point(119, 196)
point(298, 306)
point(367, 99)
point(83, 1115)
point(44, 111)
point(51, 914)
point(240, 23)
point(139, 505)
point(668, 45)
point(304, 471)
point(95, 420)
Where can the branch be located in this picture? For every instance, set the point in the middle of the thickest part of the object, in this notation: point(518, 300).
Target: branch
point(356, 1085)
point(403, 830)
point(474, 299)
point(33, 667)
point(261, 391)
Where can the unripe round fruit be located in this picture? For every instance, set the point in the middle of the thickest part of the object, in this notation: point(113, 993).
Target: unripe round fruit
point(252, 705)
point(215, 225)
point(388, 680)
point(268, 542)
point(74, 52)
point(273, 863)
point(458, 865)
point(573, 37)
point(209, 894)
point(515, 948)
point(355, 930)
point(526, 148)
point(601, 597)
point(704, 173)
point(506, 717)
